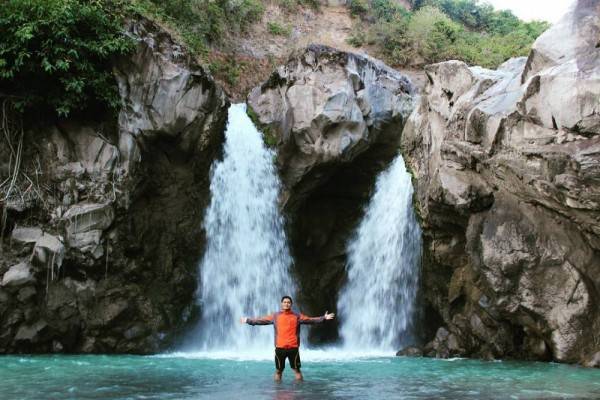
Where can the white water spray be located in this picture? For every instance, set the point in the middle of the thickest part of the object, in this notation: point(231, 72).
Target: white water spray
point(244, 271)
point(378, 302)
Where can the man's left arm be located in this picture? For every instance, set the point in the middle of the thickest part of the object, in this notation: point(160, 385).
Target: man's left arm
point(316, 320)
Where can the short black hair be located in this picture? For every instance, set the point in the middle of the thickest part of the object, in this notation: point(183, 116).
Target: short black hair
point(287, 297)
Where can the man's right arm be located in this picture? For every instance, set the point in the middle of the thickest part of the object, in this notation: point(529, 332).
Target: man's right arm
point(266, 320)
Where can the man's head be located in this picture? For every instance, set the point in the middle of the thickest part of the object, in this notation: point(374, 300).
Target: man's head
point(286, 303)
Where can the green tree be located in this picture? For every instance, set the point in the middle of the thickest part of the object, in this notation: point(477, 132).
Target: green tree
point(56, 55)
point(432, 34)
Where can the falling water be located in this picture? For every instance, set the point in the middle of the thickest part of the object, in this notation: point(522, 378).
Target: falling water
point(378, 302)
point(244, 271)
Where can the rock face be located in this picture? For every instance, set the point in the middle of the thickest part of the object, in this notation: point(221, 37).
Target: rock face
point(335, 119)
point(104, 258)
point(507, 168)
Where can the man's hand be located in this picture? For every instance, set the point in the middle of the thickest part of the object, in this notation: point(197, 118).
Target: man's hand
point(243, 320)
point(329, 316)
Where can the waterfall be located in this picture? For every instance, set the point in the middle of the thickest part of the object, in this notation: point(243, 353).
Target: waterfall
point(377, 304)
point(245, 268)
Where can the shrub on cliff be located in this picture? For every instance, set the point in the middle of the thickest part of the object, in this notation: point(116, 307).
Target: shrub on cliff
point(439, 30)
point(202, 22)
point(55, 54)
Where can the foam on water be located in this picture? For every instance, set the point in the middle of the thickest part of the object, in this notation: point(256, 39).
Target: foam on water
point(330, 354)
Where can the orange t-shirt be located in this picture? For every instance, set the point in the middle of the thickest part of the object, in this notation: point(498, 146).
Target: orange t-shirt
point(287, 326)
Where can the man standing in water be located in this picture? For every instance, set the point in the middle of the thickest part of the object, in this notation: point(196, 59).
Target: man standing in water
point(287, 334)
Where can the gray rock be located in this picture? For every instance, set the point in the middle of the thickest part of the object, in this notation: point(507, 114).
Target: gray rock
point(410, 351)
point(94, 154)
point(134, 332)
point(49, 251)
point(31, 333)
point(566, 40)
point(25, 235)
point(506, 168)
point(164, 95)
point(71, 169)
point(593, 360)
point(85, 217)
point(326, 107)
point(26, 293)
point(18, 275)
point(57, 346)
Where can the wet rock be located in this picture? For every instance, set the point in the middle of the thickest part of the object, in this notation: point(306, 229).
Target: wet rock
point(135, 331)
point(410, 352)
point(108, 311)
point(18, 275)
point(593, 361)
point(26, 293)
point(49, 251)
point(85, 223)
point(85, 217)
point(31, 333)
point(57, 346)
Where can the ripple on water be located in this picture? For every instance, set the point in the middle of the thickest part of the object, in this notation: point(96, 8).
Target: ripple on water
point(177, 377)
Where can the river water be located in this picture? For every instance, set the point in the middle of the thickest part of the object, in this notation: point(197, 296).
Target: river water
point(331, 374)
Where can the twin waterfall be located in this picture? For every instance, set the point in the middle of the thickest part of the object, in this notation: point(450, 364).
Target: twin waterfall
point(246, 265)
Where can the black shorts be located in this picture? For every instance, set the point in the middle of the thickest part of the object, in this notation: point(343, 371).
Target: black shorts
point(292, 354)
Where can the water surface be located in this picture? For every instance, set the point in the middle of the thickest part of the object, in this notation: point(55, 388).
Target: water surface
point(328, 375)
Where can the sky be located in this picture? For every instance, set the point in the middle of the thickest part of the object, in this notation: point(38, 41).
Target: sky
point(548, 10)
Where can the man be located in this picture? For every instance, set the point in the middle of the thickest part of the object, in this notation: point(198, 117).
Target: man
point(287, 334)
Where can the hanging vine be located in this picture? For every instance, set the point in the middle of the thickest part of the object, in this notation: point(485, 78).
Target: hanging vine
point(12, 133)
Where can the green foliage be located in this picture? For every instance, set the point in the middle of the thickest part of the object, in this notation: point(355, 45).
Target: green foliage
point(448, 29)
point(432, 34)
point(269, 138)
point(228, 69)
point(55, 54)
point(203, 22)
point(275, 28)
point(482, 17)
point(388, 10)
point(357, 38)
point(358, 8)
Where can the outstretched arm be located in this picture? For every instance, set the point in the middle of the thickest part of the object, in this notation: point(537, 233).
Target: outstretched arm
point(316, 320)
point(266, 320)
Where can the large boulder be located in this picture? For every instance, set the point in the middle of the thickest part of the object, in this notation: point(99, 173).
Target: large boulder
point(335, 120)
point(507, 172)
point(326, 107)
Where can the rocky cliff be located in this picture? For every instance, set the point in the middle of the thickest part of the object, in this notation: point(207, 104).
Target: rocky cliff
point(335, 119)
point(102, 257)
point(507, 172)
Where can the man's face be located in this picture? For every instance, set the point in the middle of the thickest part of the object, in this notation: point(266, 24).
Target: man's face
point(286, 304)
